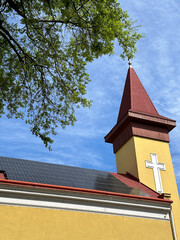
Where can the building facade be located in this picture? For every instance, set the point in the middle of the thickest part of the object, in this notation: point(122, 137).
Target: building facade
point(43, 201)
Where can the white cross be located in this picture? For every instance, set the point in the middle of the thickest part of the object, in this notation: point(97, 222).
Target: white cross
point(156, 167)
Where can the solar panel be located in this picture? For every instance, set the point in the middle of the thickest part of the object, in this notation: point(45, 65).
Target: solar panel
point(48, 173)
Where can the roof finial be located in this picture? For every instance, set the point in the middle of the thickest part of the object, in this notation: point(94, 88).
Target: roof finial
point(130, 65)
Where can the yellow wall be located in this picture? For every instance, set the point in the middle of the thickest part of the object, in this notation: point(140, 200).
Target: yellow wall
point(126, 159)
point(139, 149)
point(144, 147)
point(23, 223)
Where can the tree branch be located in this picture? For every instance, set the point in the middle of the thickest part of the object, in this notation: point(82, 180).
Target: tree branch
point(16, 7)
point(55, 21)
point(82, 5)
point(13, 47)
point(65, 22)
point(3, 8)
point(77, 11)
point(17, 44)
point(11, 38)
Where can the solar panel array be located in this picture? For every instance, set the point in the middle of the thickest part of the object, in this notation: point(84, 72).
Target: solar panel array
point(48, 173)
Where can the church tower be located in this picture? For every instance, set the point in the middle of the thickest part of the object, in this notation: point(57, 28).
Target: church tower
point(140, 141)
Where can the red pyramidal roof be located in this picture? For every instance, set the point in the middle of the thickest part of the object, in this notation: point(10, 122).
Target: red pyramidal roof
point(135, 97)
point(138, 116)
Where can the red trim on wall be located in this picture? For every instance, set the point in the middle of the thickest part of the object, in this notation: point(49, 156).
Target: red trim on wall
point(56, 187)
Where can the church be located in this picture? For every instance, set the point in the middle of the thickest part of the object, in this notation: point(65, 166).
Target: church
point(44, 201)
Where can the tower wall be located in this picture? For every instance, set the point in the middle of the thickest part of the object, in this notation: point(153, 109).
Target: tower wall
point(126, 160)
point(131, 158)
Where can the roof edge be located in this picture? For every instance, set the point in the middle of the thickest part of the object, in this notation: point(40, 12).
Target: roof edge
point(57, 187)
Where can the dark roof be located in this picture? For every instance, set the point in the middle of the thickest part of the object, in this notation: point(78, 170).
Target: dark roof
point(55, 174)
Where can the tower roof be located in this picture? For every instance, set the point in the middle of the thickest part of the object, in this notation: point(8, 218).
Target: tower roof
point(135, 97)
point(138, 116)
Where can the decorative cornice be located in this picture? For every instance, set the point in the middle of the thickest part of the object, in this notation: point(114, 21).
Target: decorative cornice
point(142, 125)
point(73, 201)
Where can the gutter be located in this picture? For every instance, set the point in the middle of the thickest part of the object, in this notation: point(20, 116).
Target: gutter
point(98, 192)
point(172, 224)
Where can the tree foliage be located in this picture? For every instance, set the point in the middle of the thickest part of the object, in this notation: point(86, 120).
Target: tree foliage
point(45, 46)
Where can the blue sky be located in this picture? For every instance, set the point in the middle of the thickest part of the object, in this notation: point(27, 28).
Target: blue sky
point(157, 65)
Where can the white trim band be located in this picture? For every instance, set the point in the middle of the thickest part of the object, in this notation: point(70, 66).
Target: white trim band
point(64, 200)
